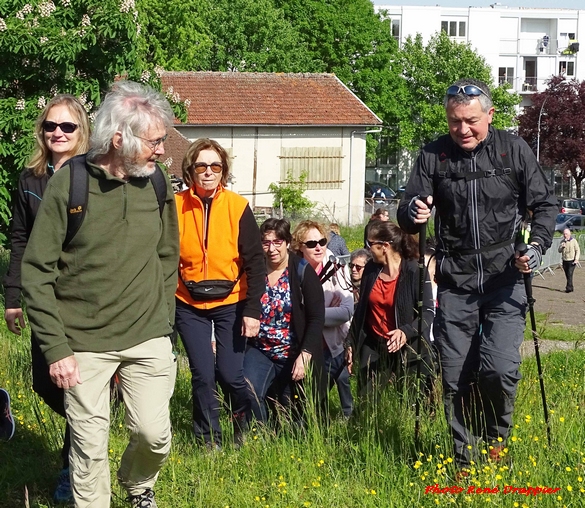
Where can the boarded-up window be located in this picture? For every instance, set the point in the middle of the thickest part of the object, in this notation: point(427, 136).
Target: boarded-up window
point(322, 164)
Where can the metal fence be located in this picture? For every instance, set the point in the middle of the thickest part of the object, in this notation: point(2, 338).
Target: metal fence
point(552, 259)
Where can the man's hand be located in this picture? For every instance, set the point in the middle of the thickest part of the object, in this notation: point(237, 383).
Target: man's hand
point(14, 320)
point(419, 211)
point(530, 260)
point(65, 373)
point(395, 340)
point(250, 326)
point(299, 369)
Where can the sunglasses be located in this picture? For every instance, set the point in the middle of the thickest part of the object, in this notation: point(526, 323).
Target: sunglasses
point(267, 243)
point(201, 167)
point(472, 90)
point(311, 244)
point(369, 244)
point(358, 268)
point(66, 127)
point(153, 144)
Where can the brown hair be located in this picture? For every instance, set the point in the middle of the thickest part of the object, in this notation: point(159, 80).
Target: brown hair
point(193, 152)
point(387, 231)
point(303, 227)
point(281, 228)
point(41, 155)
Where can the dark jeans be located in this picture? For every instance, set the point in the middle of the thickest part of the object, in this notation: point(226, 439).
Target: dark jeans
point(569, 268)
point(227, 367)
point(338, 374)
point(479, 337)
point(50, 393)
point(268, 379)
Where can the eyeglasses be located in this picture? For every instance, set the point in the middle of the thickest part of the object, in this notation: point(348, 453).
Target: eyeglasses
point(153, 145)
point(267, 243)
point(467, 90)
point(369, 244)
point(311, 244)
point(201, 167)
point(358, 268)
point(66, 127)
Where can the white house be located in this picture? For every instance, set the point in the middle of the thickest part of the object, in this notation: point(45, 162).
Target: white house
point(274, 124)
point(523, 46)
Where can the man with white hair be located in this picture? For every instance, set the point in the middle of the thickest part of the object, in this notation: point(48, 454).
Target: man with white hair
point(570, 252)
point(102, 303)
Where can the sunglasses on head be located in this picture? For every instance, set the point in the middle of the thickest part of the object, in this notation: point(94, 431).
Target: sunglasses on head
point(311, 244)
point(472, 90)
point(66, 127)
point(201, 167)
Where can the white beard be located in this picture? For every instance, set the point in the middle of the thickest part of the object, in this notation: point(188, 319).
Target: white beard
point(136, 171)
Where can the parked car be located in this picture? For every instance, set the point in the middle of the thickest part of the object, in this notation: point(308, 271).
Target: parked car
point(379, 192)
point(582, 203)
point(569, 205)
point(572, 221)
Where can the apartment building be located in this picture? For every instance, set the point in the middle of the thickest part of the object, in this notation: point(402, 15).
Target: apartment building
point(523, 46)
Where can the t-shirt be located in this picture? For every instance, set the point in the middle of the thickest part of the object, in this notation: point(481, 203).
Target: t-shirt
point(381, 316)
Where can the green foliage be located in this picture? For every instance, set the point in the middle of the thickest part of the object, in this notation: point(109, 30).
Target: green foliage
point(73, 46)
point(428, 71)
point(290, 195)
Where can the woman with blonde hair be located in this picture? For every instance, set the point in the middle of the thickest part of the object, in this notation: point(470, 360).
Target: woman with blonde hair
point(61, 132)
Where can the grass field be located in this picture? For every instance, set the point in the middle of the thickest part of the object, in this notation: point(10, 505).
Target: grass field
point(370, 461)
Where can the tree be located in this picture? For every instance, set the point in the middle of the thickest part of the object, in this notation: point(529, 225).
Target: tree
point(78, 47)
point(289, 195)
point(428, 71)
point(561, 135)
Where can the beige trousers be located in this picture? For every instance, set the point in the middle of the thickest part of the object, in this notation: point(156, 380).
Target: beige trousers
point(146, 374)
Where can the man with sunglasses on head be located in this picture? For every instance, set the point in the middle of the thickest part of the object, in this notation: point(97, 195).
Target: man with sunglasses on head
point(103, 303)
point(481, 182)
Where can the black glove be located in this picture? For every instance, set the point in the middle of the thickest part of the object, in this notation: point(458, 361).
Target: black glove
point(534, 253)
point(413, 209)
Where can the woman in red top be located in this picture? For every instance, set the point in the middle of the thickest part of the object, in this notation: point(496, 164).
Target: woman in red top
point(385, 324)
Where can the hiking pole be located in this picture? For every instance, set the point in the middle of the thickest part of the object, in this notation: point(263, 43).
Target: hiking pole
point(421, 285)
point(522, 249)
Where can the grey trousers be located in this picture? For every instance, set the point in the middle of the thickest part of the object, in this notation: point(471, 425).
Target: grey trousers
point(478, 337)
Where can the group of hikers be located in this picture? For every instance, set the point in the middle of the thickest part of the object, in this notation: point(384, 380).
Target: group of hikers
point(113, 265)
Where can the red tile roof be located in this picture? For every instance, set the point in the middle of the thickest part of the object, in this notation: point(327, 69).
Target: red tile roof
point(175, 147)
point(250, 98)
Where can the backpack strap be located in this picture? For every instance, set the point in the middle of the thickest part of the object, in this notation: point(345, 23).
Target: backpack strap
point(78, 196)
point(502, 154)
point(301, 269)
point(159, 182)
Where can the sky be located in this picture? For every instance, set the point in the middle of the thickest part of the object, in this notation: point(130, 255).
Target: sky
point(552, 4)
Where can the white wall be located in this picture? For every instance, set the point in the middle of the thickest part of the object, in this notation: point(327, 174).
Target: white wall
point(257, 150)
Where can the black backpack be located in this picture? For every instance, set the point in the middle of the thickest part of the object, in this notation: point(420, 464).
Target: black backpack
point(79, 192)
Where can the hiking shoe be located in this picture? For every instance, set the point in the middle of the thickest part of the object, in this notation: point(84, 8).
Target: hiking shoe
point(7, 425)
point(496, 453)
point(144, 500)
point(462, 476)
point(63, 492)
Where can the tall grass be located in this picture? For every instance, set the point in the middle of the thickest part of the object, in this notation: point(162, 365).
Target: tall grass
point(369, 461)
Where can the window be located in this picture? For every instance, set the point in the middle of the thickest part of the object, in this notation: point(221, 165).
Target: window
point(396, 29)
point(506, 75)
point(323, 165)
point(454, 28)
point(566, 68)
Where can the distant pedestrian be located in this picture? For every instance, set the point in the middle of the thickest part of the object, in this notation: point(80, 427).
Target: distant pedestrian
point(569, 248)
point(336, 242)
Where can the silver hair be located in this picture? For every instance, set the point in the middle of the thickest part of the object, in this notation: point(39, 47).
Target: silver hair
point(485, 99)
point(129, 108)
point(359, 253)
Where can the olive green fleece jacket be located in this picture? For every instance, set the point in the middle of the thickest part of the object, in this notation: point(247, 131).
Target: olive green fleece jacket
point(113, 287)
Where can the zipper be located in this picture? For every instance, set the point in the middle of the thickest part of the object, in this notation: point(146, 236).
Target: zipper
point(475, 224)
point(124, 201)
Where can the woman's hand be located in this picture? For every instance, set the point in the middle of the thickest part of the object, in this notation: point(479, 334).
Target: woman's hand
point(14, 320)
point(395, 340)
point(250, 326)
point(349, 359)
point(300, 366)
point(335, 301)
